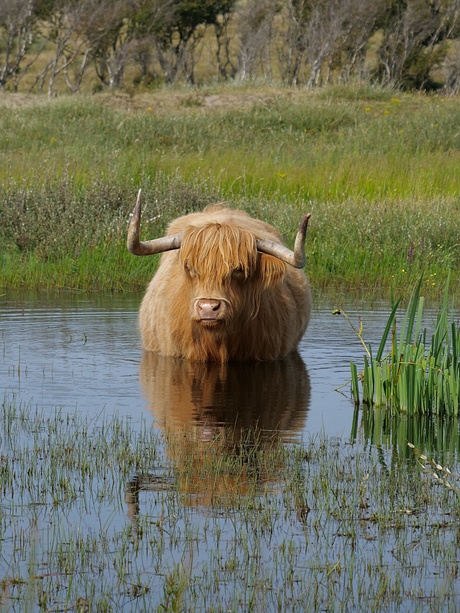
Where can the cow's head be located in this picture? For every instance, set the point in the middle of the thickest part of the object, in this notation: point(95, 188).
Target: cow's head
point(225, 272)
point(225, 266)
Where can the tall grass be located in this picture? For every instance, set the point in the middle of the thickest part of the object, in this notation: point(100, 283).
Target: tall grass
point(380, 175)
point(421, 372)
point(300, 145)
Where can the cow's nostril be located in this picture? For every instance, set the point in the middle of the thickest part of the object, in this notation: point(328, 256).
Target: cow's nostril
point(208, 309)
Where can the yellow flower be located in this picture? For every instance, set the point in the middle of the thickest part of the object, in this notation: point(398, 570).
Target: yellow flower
point(395, 100)
point(368, 108)
point(282, 174)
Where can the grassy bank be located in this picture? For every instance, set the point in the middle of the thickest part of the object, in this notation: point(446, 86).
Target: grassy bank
point(379, 173)
point(95, 518)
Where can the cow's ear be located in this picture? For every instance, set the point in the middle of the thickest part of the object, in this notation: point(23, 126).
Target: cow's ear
point(271, 269)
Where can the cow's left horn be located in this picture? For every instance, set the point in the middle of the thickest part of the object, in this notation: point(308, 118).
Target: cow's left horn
point(158, 245)
point(295, 258)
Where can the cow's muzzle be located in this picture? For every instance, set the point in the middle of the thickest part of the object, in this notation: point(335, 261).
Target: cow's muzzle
point(209, 311)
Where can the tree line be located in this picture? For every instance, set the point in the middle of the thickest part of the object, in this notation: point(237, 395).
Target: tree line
point(407, 44)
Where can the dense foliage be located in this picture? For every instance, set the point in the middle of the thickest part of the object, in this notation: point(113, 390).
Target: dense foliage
point(112, 43)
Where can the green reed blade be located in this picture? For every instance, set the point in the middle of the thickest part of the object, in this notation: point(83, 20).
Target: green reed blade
point(454, 341)
point(409, 319)
point(377, 383)
point(386, 332)
point(354, 383)
point(418, 323)
point(368, 388)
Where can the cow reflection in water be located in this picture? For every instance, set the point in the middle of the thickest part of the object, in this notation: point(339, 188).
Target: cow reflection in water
point(222, 423)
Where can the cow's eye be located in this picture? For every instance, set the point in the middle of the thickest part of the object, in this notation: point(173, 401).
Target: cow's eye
point(238, 273)
point(189, 270)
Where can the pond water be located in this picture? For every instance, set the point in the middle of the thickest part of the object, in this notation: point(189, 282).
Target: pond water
point(78, 527)
point(82, 353)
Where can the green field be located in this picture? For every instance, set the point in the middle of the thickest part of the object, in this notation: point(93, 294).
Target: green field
point(379, 171)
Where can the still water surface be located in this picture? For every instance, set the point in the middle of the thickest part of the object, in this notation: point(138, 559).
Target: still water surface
point(121, 539)
point(83, 353)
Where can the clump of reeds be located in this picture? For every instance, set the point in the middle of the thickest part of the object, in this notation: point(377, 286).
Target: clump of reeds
point(418, 374)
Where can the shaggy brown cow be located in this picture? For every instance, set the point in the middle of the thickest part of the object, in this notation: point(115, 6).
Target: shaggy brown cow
point(227, 288)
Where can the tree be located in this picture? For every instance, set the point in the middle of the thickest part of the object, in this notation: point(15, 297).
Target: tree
point(225, 65)
point(176, 27)
point(255, 22)
point(414, 42)
point(17, 31)
point(110, 37)
point(292, 43)
point(60, 28)
point(361, 21)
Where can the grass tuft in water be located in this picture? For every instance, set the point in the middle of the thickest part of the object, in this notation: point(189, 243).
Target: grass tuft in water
point(418, 374)
point(441, 474)
point(105, 515)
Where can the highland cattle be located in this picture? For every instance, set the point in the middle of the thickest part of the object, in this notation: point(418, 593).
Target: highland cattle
point(226, 289)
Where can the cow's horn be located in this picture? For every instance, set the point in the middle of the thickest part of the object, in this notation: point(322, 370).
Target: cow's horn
point(158, 245)
point(295, 258)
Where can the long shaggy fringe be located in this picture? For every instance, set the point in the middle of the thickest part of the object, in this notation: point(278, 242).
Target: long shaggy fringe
point(216, 250)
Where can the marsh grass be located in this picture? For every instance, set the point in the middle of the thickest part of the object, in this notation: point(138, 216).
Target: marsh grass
point(341, 527)
point(442, 474)
point(380, 175)
point(420, 373)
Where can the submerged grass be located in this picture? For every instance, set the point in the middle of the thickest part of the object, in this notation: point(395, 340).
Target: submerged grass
point(95, 517)
point(380, 175)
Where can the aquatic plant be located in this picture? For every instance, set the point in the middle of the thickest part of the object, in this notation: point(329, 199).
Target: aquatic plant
point(96, 517)
point(441, 474)
point(418, 374)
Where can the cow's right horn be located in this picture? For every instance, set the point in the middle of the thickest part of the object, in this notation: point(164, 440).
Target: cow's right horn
point(295, 258)
point(157, 245)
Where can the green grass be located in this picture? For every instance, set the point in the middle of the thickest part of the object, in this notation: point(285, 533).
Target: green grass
point(380, 175)
point(413, 371)
point(96, 517)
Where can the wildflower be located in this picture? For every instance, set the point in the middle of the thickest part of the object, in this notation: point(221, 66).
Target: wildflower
point(368, 108)
point(395, 100)
point(386, 112)
point(282, 174)
point(410, 253)
point(150, 109)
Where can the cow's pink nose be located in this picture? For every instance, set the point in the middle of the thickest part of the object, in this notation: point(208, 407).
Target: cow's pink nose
point(208, 309)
